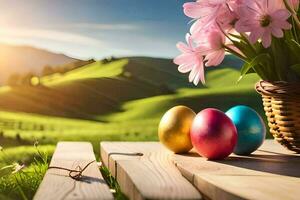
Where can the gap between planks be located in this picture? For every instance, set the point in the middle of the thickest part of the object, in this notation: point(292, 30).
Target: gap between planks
point(271, 172)
point(151, 176)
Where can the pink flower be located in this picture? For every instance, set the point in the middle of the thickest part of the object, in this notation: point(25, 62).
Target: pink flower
point(205, 12)
point(294, 4)
point(214, 48)
point(226, 20)
point(203, 9)
point(263, 18)
point(191, 61)
point(211, 14)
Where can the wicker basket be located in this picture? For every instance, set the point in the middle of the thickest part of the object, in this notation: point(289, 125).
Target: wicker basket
point(281, 102)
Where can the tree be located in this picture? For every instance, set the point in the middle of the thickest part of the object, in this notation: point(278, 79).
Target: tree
point(26, 79)
point(47, 70)
point(14, 79)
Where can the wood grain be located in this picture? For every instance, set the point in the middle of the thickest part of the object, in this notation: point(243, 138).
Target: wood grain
point(151, 176)
point(58, 185)
point(272, 172)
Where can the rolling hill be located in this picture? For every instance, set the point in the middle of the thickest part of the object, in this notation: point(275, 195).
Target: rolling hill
point(119, 100)
point(95, 90)
point(20, 59)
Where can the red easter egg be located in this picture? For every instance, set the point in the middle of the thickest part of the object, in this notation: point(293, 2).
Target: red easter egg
point(213, 134)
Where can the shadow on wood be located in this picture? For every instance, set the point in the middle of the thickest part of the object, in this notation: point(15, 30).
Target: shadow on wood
point(271, 172)
point(277, 163)
point(286, 165)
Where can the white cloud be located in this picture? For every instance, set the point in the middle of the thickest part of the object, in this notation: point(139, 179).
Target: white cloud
point(48, 34)
point(104, 27)
point(82, 45)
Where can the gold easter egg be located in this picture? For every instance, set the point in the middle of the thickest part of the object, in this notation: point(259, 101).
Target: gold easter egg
point(174, 129)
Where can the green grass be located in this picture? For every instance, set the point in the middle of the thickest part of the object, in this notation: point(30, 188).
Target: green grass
point(102, 88)
point(119, 100)
point(22, 184)
point(113, 184)
point(94, 70)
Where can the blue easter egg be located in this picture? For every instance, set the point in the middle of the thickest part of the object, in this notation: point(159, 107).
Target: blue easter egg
point(251, 129)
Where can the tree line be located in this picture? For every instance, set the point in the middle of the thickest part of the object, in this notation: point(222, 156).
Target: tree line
point(17, 79)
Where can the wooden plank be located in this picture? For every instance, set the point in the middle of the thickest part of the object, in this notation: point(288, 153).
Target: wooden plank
point(58, 185)
point(270, 173)
point(150, 176)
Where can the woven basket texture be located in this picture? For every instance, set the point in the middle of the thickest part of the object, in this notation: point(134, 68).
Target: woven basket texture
point(281, 102)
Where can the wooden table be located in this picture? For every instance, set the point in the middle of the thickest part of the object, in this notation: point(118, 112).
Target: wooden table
point(58, 185)
point(270, 173)
point(146, 170)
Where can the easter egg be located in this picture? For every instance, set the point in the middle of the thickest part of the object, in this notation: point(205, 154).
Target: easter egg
point(174, 129)
point(250, 127)
point(213, 134)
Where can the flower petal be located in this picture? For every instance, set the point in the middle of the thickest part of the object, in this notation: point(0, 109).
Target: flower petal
point(181, 59)
point(255, 35)
point(267, 38)
point(184, 68)
point(215, 58)
point(183, 47)
point(196, 10)
point(282, 24)
point(200, 75)
point(197, 78)
point(277, 32)
point(193, 73)
point(281, 14)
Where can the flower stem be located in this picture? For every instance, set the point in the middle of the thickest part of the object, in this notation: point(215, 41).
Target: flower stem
point(243, 35)
point(232, 51)
point(227, 36)
point(293, 12)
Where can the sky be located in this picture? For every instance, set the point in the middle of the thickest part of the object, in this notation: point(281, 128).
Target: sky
point(95, 28)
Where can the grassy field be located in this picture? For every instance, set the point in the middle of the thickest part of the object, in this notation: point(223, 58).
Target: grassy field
point(119, 100)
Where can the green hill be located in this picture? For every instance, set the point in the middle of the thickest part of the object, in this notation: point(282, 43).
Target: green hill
point(100, 88)
point(119, 100)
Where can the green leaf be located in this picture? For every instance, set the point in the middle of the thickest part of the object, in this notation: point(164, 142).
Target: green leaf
point(244, 47)
point(295, 49)
point(247, 68)
point(236, 36)
point(278, 51)
point(296, 68)
point(6, 170)
point(295, 45)
point(256, 65)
